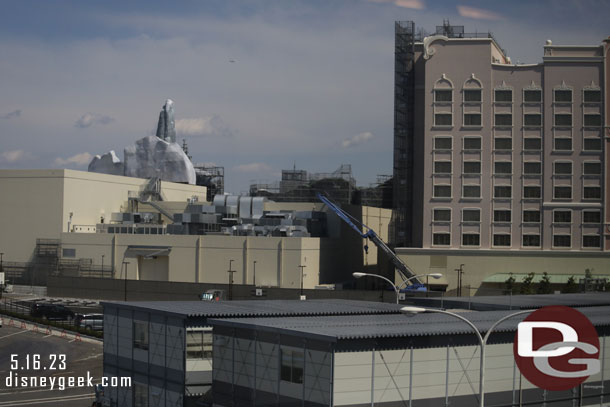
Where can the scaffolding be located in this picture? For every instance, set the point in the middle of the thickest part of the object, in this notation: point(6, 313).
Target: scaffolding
point(212, 177)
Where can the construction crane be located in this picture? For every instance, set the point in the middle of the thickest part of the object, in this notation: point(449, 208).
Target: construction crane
point(406, 274)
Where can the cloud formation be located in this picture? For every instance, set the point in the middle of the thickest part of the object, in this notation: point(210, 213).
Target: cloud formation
point(13, 114)
point(13, 156)
point(413, 4)
point(80, 160)
point(253, 167)
point(211, 126)
point(357, 139)
point(477, 13)
point(91, 119)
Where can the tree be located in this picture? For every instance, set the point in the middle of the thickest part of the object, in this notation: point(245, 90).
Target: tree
point(571, 286)
point(510, 284)
point(526, 284)
point(544, 287)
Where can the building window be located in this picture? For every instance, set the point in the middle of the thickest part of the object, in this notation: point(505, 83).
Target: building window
point(140, 395)
point(503, 143)
point(592, 192)
point(532, 192)
point(503, 120)
point(472, 119)
point(502, 191)
point(532, 168)
point(562, 192)
point(292, 366)
point(442, 167)
point(591, 217)
point(470, 239)
point(472, 143)
point(563, 144)
point(592, 96)
point(532, 96)
point(140, 335)
point(562, 216)
point(472, 95)
point(441, 215)
point(531, 216)
point(592, 120)
point(441, 239)
point(502, 215)
point(471, 191)
point(562, 168)
point(532, 144)
point(503, 96)
point(592, 144)
point(592, 168)
point(531, 240)
point(442, 191)
point(562, 241)
point(472, 167)
point(471, 215)
point(443, 95)
point(443, 119)
point(199, 344)
point(442, 143)
point(563, 119)
point(532, 120)
point(503, 167)
point(501, 240)
point(68, 252)
point(562, 95)
point(591, 241)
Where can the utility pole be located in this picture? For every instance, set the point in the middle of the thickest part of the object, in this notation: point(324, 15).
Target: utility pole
point(125, 263)
point(254, 275)
point(460, 272)
point(230, 271)
point(302, 275)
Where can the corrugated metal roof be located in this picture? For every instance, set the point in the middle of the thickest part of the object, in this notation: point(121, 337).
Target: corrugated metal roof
point(333, 328)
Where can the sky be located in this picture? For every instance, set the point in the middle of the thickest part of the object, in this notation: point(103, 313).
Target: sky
point(258, 85)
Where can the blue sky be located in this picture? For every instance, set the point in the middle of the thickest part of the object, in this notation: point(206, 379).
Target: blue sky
point(311, 82)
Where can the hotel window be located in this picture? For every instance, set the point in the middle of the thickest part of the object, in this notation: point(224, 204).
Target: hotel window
point(562, 168)
point(470, 239)
point(471, 215)
point(502, 191)
point(471, 191)
point(592, 168)
point(592, 120)
point(591, 241)
point(503, 95)
point(441, 239)
point(442, 191)
point(591, 217)
point(472, 167)
point(140, 335)
point(503, 143)
point(592, 144)
point(443, 96)
point(532, 96)
point(501, 240)
point(532, 168)
point(472, 143)
point(472, 119)
point(502, 215)
point(503, 167)
point(532, 144)
point(531, 240)
point(592, 192)
point(562, 192)
point(532, 120)
point(443, 119)
point(441, 215)
point(503, 120)
point(442, 167)
point(563, 119)
point(562, 216)
point(562, 96)
point(592, 96)
point(563, 144)
point(532, 192)
point(562, 241)
point(292, 363)
point(472, 95)
point(531, 216)
point(442, 143)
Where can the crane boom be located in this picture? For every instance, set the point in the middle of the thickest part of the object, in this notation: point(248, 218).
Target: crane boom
point(406, 274)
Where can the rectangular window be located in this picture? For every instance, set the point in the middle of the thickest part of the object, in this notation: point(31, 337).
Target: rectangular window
point(563, 144)
point(563, 96)
point(532, 192)
point(531, 216)
point(532, 168)
point(562, 192)
point(140, 335)
point(592, 193)
point(470, 239)
point(562, 241)
point(501, 240)
point(531, 240)
point(532, 144)
point(472, 119)
point(199, 344)
point(592, 96)
point(472, 167)
point(442, 143)
point(471, 215)
point(140, 395)
point(442, 119)
point(472, 95)
point(592, 168)
point(591, 241)
point(443, 95)
point(502, 191)
point(442, 191)
point(292, 365)
point(471, 191)
point(563, 120)
point(532, 96)
point(68, 252)
point(532, 120)
point(503, 95)
point(562, 168)
point(562, 216)
point(503, 143)
point(502, 215)
point(442, 167)
point(592, 120)
point(592, 144)
point(503, 167)
point(442, 215)
point(504, 120)
point(441, 239)
point(591, 217)
point(472, 143)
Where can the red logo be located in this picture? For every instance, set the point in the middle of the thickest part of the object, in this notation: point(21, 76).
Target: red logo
point(556, 348)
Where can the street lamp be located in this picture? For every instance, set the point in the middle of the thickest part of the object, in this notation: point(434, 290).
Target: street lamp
point(397, 288)
point(302, 275)
point(231, 271)
point(254, 275)
point(482, 339)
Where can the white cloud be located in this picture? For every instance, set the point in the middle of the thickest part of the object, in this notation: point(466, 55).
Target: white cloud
point(477, 13)
point(413, 4)
point(211, 126)
point(10, 115)
point(91, 119)
point(253, 167)
point(357, 139)
point(13, 156)
point(80, 160)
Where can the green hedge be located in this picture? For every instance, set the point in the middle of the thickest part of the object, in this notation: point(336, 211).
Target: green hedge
point(54, 324)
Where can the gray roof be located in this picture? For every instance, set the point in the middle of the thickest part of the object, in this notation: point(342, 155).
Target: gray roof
point(505, 302)
point(334, 328)
point(259, 308)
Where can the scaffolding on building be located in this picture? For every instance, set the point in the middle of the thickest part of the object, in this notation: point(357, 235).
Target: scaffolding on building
point(212, 177)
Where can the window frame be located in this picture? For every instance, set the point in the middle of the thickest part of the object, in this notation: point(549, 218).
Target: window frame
point(441, 209)
point(539, 187)
point(446, 114)
point(510, 215)
point(472, 210)
point(589, 115)
point(493, 239)
point(537, 90)
point(557, 212)
point(434, 196)
point(587, 222)
point(523, 245)
point(479, 138)
point(479, 114)
point(443, 162)
point(539, 140)
point(563, 89)
point(598, 236)
point(596, 90)
point(563, 174)
point(450, 91)
point(591, 162)
point(557, 115)
point(562, 235)
point(471, 162)
point(502, 162)
point(589, 188)
point(555, 188)
point(503, 89)
point(464, 234)
point(434, 234)
point(435, 148)
point(143, 342)
point(539, 163)
point(503, 125)
point(526, 115)
point(467, 90)
point(523, 220)
point(288, 355)
point(503, 186)
point(471, 186)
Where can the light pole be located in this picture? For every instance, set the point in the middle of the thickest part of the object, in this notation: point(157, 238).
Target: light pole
point(231, 271)
point(125, 263)
point(396, 288)
point(482, 339)
point(254, 275)
point(459, 280)
point(302, 275)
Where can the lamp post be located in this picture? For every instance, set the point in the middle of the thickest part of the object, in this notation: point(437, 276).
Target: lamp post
point(125, 263)
point(396, 288)
point(254, 275)
point(482, 339)
point(459, 280)
point(231, 271)
point(302, 275)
